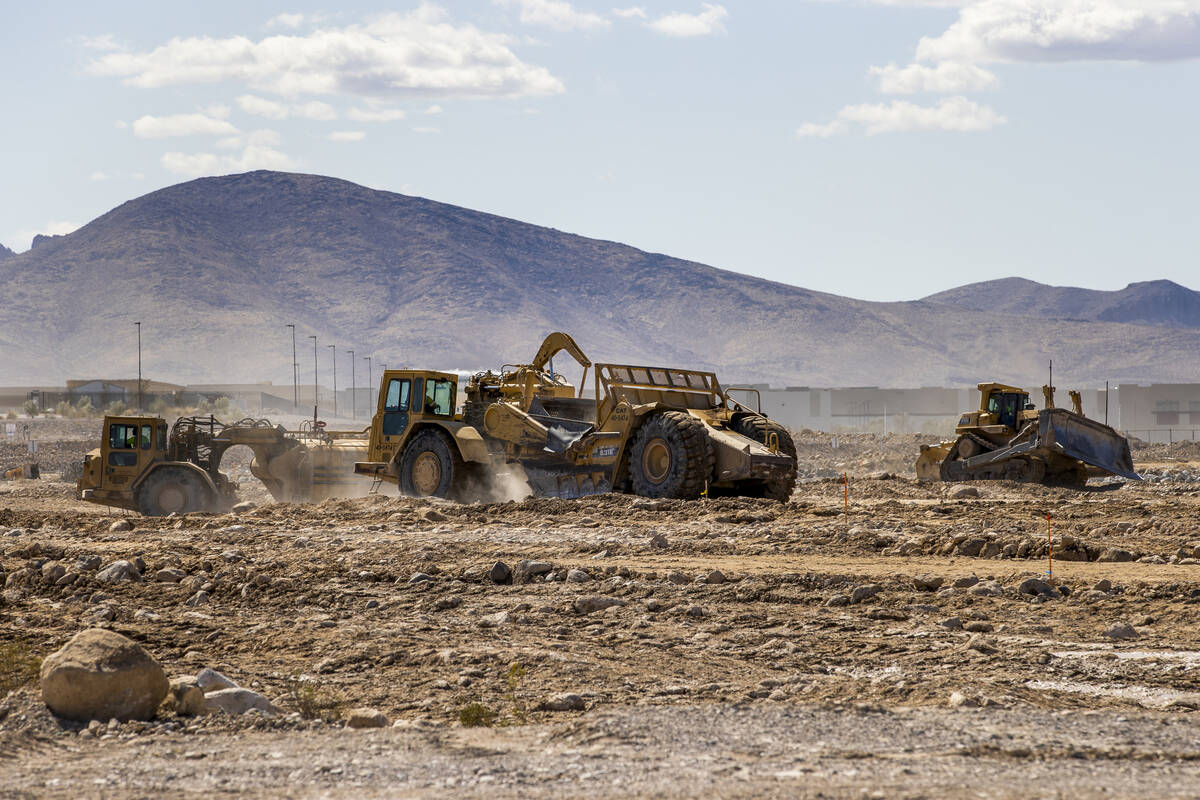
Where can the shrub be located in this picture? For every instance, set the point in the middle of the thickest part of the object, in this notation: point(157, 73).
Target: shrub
point(18, 666)
point(312, 699)
point(477, 715)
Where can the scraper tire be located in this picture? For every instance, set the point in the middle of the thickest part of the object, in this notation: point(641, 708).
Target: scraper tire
point(671, 457)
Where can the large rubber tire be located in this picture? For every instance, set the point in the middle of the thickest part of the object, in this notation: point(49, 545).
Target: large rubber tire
point(670, 457)
point(171, 490)
point(758, 429)
point(430, 466)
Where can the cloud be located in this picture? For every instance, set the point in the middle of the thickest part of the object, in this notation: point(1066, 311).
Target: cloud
point(557, 14)
point(347, 136)
point(951, 114)
point(104, 41)
point(262, 107)
point(707, 21)
point(150, 127)
point(259, 138)
point(392, 55)
point(636, 12)
point(434, 109)
point(1068, 30)
point(375, 114)
point(286, 21)
point(426, 129)
point(946, 78)
point(100, 175)
point(253, 156)
point(57, 228)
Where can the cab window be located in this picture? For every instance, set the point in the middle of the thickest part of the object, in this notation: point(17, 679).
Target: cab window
point(162, 436)
point(397, 395)
point(122, 436)
point(147, 437)
point(439, 397)
point(994, 403)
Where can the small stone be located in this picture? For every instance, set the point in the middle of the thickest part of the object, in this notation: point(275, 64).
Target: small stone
point(52, 571)
point(696, 612)
point(527, 570)
point(433, 515)
point(1103, 585)
point(595, 602)
point(495, 620)
point(928, 583)
point(169, 575)
point(838, 600)
point(982, 644)
point(659, 541)
point(500, 573)
point(209, 680)
point(678, 578)
point(419, 577)
point(233, 556)
point(1121, 630)
point(863, 593)
point(987, 589)
point(965, 582)
point(951, 624)
point(564, 702)
point(1115, 554)
point(200, 598)
point(120, 526)
point(715, 578)
point(236, 702)
point(119, 572)
point(87, 563)
point(577, 576)
point(978, 627)
point(960, 700)
point(1036, 586)
point(366, 718)
point(445, 603)
point(963, 492)
point(243, 507)
point(100, 674)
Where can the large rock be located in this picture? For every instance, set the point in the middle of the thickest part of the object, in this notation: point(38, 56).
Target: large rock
point(366, 718)
point(119, 572)
point(102, 675)
point(209, 680)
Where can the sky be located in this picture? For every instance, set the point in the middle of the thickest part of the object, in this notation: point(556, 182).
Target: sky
point(883, 149)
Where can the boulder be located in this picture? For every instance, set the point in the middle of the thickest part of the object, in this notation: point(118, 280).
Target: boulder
point(209, 680)
point(526, 570)
point(577, 576)
point(366, 718)
point(590, 603)
point(499, 573)
point(564, 702)
point(102, 675)
point(927, 583)
point(186, 697)
point(119, 572)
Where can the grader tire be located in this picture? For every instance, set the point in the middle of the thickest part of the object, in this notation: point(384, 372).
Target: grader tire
point(671, 457)
point(430, 466)
point(758, 429)
point(170, 490)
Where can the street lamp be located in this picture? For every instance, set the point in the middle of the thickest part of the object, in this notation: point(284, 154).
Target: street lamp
point(295, 371)
point(316, 395)
point(353, 390)
point(333, 347)
point(370, 382)
point(139, 331)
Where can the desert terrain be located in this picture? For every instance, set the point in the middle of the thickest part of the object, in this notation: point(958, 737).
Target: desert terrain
point(876, 637)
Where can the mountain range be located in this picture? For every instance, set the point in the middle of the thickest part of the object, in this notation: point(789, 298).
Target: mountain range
point(215, 268)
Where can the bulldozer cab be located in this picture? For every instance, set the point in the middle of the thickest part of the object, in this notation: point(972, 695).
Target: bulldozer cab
point(407, 397)
point(129, 446)
point(1002, 405)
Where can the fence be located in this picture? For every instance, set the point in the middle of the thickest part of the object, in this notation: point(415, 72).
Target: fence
point(1163, 435)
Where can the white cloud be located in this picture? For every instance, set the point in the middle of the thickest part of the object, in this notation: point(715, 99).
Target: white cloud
point(262, 107)
point(946, 77)
point(557, 14)
point(636, 12)
point(286, 21)
point(434, 109)
point(426, 129)
point(347, 136)
point(254, 156)
point(1068, 30)
point(708, 21)
point(375, 114)
point(57, 228)
point(105, 41)
point(150, 127)
point(951, 114)
point(259, 138)
point(315, 109)
point(394, 54)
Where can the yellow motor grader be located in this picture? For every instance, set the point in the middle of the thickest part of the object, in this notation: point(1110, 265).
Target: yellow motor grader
point(1009, 439)
point(654, 431)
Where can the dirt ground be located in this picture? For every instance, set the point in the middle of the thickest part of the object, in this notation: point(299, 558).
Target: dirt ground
point(884, 644)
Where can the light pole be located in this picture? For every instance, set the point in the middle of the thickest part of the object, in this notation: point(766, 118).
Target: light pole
point(139, 330)
point(353, 390)
point(370, 382)
point(316, 396)
point(333, 347)
point(295, 372)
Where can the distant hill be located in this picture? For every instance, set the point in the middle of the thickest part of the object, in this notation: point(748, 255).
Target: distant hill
point(5, 252)
point(1146, 303)
point(214, 268)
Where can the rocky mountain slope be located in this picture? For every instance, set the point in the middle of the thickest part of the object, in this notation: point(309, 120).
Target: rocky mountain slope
point(215, 268)
point(1146, 303)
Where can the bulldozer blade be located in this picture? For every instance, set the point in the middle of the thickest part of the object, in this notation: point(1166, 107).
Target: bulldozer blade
point(929, 463)
point(1087, 440)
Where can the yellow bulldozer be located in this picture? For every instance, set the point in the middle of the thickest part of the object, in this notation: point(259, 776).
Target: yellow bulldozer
point(1009, 439)
point(652, 431)
point(142, 467)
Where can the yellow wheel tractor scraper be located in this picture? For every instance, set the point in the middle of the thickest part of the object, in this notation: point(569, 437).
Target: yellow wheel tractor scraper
point(1009, 439)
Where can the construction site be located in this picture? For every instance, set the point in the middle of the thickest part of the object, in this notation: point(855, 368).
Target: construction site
point(653, 586)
